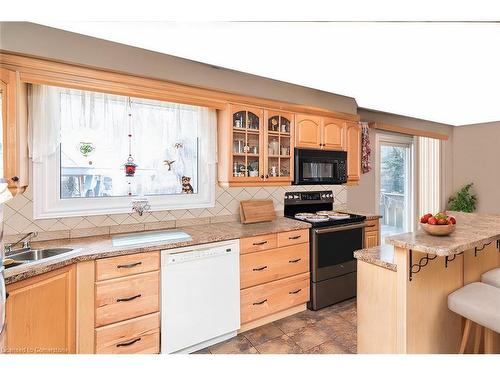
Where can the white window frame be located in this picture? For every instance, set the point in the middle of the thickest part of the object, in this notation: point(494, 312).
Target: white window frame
point(411, 200)
point(47, 202)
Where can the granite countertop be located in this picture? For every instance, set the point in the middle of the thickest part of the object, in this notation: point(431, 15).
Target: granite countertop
point(473, 230)
point(90, 248)
point(382, 256)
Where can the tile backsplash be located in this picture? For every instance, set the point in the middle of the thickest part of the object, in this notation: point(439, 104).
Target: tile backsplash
point(18, 214)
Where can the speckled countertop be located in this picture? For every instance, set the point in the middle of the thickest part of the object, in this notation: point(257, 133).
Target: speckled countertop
point(382, 256)
point(90, 248)
point(473, 230)
point(369, 216)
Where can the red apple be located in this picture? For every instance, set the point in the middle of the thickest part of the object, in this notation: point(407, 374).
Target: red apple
point(425, 218)
point(452, 220)
point(432, 221)
point(442, 222)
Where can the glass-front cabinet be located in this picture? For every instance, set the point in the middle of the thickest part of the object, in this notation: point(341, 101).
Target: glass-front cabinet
point(279, 152)
point(255, 146)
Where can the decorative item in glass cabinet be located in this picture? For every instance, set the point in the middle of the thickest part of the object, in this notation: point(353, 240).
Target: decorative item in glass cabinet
point(285, 151)
point(274, 171)
point(274, 147)
point(274, 124)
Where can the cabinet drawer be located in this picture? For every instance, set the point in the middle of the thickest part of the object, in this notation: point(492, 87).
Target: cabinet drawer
point(258, 243)
point(266, 299)
point(264, 266)
point(126, 265)
point(127, 297)
point(293, 237)
point(139, 335)
point(372, 225)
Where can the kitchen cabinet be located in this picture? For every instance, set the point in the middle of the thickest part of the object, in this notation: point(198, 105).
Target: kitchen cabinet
point(323, 133)
point(353, 146)
point(14, 130)
point(40, 313)
point(274, 277)
point(118, 304)
point(372, 233)
point(255, 147)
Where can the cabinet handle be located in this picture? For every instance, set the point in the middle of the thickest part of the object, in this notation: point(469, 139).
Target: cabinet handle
point(294, 260)
point(295, 291)
point(371, 226)
point(259, 243)
point(294, 237)
point(128, 298)
point(260, 303)
point(260, 269)
point(131, 265)
point(128, 343)
point(262, 176)
point(267, 176)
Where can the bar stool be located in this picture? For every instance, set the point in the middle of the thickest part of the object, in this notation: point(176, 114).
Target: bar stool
point(492, 277)
point(478, 303)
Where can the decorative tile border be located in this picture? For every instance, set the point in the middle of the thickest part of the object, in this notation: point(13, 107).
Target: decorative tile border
point(18, 214)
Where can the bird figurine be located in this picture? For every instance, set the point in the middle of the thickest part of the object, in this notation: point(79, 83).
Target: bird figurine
point(169, 163)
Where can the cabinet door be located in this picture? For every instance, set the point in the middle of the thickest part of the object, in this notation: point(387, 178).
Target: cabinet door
point(371, 239)
point(333, 134)
point(247, 164)
point(278, 146)
point(308, 131)
point(14, 130)
point(353, 146)
point(40, 313)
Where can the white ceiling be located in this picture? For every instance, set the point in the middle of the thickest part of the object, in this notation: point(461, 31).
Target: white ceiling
point(443, 72)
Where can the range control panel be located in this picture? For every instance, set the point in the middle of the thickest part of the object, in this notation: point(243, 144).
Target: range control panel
point(325, 196)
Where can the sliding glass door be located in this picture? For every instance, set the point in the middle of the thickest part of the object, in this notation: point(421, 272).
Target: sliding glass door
point(395, 187)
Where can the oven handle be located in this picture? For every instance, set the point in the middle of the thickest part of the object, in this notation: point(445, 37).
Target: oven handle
point(339, 229)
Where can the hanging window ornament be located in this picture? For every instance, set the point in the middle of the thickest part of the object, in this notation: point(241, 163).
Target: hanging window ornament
point(130, 166)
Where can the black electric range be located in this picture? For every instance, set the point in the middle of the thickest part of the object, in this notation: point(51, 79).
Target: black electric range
point(332, 246)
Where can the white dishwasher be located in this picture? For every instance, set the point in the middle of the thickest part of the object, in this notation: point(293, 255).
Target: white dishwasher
point(200, 296)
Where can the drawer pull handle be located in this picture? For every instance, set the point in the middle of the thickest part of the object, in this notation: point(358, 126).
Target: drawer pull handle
point(131, 265)
point(260, 303)
point(295, 291)
point(294, 237)
point(128, 299)
point(294, 260)
point(128, 343)
point(371, 226)
point(260, 269)
point(259, 243)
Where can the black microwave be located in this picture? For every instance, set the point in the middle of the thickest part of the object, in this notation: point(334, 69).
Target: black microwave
point(320, 167)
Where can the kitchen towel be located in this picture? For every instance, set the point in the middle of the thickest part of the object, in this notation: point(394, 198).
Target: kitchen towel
point(366, 150)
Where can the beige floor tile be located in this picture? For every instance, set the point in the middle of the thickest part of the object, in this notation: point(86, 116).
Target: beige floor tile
point(236, 345)
point(294, 322)
point(309, 337)
point(279, 345)
point(340, 330)
point(329, 347)
point(262, 334)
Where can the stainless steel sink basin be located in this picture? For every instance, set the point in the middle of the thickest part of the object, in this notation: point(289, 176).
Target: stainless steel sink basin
point(36, 254)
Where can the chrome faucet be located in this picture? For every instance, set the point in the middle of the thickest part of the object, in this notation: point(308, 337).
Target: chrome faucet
point(26, 240)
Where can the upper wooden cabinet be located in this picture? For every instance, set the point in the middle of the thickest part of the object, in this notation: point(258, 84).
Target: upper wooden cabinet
point(353, 145)
point(14, 130)
point(255, 147)
point(40, 313)
point(320, 132)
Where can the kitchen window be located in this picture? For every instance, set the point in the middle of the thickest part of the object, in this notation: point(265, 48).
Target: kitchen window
point(94, 152)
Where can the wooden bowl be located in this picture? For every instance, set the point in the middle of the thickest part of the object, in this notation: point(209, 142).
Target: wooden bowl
point(438, 230)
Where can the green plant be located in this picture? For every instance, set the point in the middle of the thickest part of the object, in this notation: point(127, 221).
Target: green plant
point(463, 200)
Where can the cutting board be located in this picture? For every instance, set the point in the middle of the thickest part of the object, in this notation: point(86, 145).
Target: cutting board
point(256, 211)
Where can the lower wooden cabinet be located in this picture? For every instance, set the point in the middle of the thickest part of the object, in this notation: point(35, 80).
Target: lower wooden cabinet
point(274, 279)
point(372, 233)
point(40, 313)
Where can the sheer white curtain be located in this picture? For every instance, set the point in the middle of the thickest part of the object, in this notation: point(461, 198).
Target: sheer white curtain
point(429, 175)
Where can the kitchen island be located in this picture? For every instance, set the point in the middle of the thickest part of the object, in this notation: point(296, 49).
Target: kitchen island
point(403, 286)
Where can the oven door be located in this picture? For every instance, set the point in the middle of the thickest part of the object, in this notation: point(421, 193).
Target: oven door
point(320, 167)
point(332, 252)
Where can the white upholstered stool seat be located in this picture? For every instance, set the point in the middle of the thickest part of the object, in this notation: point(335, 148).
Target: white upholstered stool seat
point(479, 303)
point(492, 277)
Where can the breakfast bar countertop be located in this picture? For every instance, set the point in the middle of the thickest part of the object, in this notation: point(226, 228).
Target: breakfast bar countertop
point(472, 230)
point(382, 256)
point(96, 247)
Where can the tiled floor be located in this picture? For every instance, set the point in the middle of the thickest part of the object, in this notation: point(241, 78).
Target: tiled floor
point(328, 331)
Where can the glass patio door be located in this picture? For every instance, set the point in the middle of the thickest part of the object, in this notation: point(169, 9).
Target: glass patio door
point(395, 184)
